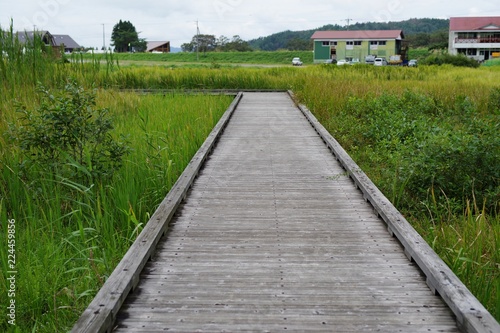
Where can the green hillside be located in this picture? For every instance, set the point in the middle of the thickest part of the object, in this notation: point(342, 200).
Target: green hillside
point(295, 39)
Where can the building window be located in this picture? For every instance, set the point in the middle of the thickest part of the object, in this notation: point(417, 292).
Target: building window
point(378, 42)
point(349, 42)
point(357, 43)
point(471, 52)
point(333, 43)
point(326, 43)
point(467, 35)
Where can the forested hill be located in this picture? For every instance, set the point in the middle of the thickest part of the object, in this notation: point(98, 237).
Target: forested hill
point(297, 39)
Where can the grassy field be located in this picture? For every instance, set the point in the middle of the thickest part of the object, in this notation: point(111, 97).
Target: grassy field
point(70, 235)
point(214, 58)
point(417, 132)
point(492, 63)
point(219, 58)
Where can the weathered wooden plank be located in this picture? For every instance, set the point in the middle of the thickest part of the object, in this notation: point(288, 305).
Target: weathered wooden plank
point(471, 314)
point(100, 314)
point(273, 222)
point(258, 327)
point(274, 236)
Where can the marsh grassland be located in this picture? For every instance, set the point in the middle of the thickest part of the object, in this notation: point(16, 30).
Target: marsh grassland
point(427, 136)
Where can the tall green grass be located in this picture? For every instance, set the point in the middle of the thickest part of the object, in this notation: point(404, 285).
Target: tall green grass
point(70, 235)
point(68, 244)
point(429, 140)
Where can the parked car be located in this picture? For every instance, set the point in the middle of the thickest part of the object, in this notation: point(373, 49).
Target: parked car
point(413, 63)
point(355, 61)
point(380, 61)
point(370, 59)
point(296, 62)
point(331, 61)
point(343, 62)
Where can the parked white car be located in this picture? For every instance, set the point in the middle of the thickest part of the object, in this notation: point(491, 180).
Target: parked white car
point(296, 62)
point(380, 62)
point(343, 62)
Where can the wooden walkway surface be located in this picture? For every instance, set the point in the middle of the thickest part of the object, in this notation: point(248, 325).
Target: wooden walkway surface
point(279, 230)
point(274, 236)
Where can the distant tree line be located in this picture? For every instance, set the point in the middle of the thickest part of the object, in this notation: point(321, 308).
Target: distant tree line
point(209, 43)
point(434, 41)
point(425, 32)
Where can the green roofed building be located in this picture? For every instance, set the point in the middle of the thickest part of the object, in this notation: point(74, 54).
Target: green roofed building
point(357, 44)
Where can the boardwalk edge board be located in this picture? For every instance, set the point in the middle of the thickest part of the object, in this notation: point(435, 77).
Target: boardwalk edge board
point(100, 314)
point(471, 315)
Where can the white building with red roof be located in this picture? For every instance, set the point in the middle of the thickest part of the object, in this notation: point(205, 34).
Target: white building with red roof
point(476, 37)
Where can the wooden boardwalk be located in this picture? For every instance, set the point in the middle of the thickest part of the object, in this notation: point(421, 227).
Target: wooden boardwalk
point(275, 236)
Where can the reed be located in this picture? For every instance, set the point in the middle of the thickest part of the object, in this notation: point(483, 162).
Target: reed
point(71, 234)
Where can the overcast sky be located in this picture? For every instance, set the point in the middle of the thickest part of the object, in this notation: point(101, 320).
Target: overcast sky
point(172, 20)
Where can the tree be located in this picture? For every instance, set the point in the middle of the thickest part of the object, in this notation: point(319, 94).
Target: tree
point(237, 44)
point(126, 38)
point(221, 43)
point(208, 43)
point(202, 43)
point(67, 133)
point(188, 47)
point(140, 46)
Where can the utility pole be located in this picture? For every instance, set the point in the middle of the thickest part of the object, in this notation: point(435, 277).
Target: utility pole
point(348, 20)
point(103, 39)
point(197, 41)
point(34, 51)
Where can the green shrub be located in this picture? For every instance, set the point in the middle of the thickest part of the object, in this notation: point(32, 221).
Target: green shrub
point(458, 165)
point(494, 100)
point(66, 134)
point(459, 60)
point(450, 153)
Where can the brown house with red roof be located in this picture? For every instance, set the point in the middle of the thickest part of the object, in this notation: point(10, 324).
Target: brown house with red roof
point(476, 37)
point(158, 47)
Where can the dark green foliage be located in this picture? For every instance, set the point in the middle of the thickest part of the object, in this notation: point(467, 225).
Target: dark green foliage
point(430, 30)
point(461, 165)
point(235, 44)
point(66, 135)
point(208, 43)
point(297, 44)
point(441, 154)
point(494, 101)
point(126, 39)
point(435, 40)
point(455, 60)
point(283, 40)
point(200, 43)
